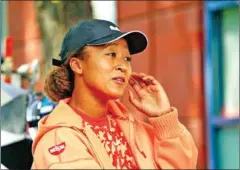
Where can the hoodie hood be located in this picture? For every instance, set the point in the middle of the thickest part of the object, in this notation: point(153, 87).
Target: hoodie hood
point(64, 116)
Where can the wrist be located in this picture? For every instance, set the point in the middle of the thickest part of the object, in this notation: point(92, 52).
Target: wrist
point(167, 126)
point(163, 112)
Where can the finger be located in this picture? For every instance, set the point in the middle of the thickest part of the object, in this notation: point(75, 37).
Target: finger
point(153, 88)
point(134, 73)
point(145, 79)
point(135, 85)
point(140, 91)
point(138, 75)
point(142, 75)
point(133, 99)
point(139, 81)
point(131, 81)
point(150, 80)
point(142, 84)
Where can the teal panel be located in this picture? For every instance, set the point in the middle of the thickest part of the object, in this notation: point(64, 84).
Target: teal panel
point(217, 67)
point(228, 148)
point(230, 37)
point(4, 24)
point(4, 18)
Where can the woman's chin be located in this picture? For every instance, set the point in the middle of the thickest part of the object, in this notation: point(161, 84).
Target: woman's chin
point(115, 95)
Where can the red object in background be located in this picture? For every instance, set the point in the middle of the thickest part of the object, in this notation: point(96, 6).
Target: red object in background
point(8, 46)
point(8, 59)
point(7, 79)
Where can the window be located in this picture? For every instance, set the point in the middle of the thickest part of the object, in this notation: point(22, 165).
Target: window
point(221, 72)
point(230, 47)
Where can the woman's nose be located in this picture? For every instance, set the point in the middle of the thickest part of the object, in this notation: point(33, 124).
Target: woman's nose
point(121, 67)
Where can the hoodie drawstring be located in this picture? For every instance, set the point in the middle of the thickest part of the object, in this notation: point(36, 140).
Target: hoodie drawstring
point(138, 147)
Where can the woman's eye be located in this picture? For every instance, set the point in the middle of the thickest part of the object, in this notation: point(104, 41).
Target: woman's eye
point(112, 54)
point(128, 59)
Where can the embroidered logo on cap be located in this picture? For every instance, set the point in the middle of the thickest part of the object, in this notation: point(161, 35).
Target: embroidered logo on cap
point(114, 28)
point(57, 149)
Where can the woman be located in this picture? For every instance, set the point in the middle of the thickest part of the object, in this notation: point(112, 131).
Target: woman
point(90, 128)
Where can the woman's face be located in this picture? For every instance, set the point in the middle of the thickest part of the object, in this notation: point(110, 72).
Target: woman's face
point(107, 69)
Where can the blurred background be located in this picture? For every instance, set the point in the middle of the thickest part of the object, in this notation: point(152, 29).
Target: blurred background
point(193, 52)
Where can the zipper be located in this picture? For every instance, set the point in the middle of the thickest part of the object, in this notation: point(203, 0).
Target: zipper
point(132, 127)
point(136, 143)
point(142, 152)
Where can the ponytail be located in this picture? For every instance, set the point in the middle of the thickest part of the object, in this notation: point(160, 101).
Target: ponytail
point(59, 84)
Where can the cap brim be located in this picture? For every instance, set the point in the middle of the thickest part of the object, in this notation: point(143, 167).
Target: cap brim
point(137, 41)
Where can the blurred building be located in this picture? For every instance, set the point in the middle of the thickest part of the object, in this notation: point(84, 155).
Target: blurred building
point(174, 56)
point(20, 22)
point(193, 52)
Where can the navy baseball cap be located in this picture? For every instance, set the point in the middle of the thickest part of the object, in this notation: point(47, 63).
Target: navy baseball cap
point(98, 32)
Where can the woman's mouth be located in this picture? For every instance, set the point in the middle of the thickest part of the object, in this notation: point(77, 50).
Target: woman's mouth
point(119, 80)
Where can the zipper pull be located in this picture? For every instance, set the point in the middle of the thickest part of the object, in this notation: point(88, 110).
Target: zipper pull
point(144, 155)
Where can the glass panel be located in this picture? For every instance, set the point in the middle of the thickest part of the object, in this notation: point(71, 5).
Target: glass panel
point(3, 19)
point(217, 64)
point(228, 148)
point(230, 37)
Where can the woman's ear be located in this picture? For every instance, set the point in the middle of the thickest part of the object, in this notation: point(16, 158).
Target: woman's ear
point(76, 65)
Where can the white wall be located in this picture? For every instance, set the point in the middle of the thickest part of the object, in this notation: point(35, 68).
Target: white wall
point(106, 10)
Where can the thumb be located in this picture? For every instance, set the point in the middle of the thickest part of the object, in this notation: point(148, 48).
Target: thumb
point(134, 100)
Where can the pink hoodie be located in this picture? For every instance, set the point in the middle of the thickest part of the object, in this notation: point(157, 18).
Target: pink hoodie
point(61, 143)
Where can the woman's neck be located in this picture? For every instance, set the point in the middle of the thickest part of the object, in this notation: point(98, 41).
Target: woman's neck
point(91, 105)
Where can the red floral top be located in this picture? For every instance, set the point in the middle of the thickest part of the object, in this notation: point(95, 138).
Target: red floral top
point(113, 139)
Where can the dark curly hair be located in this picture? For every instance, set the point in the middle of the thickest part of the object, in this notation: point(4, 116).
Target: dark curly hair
point(59, 83)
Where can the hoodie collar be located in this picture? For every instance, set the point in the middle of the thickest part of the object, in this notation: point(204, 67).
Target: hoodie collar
point(63, 114)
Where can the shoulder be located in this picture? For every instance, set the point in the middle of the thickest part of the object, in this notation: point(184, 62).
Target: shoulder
point(60, 145)
point(60, 135)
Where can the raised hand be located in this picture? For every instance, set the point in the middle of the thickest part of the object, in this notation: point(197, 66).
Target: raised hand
point(150, 97)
